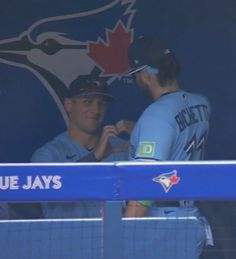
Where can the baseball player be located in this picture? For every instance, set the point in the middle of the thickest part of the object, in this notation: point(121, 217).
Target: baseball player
point(174, 127)
point(84, 141)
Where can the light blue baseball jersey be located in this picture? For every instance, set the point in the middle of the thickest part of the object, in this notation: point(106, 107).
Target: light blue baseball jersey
point(175, 127)
point(63, 149)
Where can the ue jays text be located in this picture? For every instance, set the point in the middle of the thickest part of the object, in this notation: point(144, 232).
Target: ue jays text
point(30, 182)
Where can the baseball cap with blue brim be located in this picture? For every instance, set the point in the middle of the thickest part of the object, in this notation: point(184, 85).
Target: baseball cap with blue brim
point(146, 53)
point(85, 86)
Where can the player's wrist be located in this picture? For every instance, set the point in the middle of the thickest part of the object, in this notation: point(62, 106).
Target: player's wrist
point(98, 155)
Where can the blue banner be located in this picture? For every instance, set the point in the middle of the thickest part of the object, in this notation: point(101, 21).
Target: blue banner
point(118, 181)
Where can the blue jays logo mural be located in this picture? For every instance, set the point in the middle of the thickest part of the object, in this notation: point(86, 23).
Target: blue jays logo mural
point(59, 49)
point(56, 50)
point(45, 45)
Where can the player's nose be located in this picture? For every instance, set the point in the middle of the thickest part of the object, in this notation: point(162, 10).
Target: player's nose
point(96, 108)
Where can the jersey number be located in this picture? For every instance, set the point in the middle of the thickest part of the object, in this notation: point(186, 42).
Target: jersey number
point(196, 145)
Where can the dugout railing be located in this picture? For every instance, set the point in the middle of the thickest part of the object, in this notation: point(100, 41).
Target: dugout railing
point(202, 181)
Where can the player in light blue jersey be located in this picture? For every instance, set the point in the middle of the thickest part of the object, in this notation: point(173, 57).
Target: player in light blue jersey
point(174, 127)
point(64, 149)
point(84, 141)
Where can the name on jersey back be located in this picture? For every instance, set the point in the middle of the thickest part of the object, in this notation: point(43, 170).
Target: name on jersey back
point(192, 115)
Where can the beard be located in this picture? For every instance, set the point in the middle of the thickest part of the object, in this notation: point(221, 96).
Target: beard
point(145, 91)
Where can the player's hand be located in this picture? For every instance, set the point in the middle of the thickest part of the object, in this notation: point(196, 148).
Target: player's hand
point(104, 147)
point(124, 126)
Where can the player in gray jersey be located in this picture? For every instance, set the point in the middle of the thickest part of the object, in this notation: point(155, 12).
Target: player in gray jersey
point(84, 141)
point(174, 127)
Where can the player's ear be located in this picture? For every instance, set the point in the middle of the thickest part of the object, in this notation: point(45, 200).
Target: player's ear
point(146, 77)
point(68, 105)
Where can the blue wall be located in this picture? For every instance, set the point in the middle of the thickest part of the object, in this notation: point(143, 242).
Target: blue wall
point(202, 33)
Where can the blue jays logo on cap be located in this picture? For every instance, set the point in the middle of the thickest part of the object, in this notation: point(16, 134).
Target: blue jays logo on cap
point(86, 86)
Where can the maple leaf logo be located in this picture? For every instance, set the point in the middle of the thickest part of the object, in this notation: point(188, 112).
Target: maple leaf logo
point(111, 56)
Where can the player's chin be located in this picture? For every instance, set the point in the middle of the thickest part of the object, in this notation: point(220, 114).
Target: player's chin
point(93, 127)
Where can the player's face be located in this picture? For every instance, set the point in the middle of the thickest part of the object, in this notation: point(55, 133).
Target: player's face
point(141, 81)
point(87, 113)
point(138, 77)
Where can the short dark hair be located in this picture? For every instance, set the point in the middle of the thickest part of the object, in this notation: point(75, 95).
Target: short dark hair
point(153, 52)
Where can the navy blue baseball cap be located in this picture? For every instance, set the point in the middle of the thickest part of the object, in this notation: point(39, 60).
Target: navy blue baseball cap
point(146, 52)
point(86, 86)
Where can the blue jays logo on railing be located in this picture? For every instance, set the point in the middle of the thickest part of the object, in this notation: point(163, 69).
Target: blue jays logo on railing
point(167, 180)
point(59, 49)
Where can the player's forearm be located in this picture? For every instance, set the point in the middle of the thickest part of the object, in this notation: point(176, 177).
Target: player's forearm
point(135, 209)
point(89, 158)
